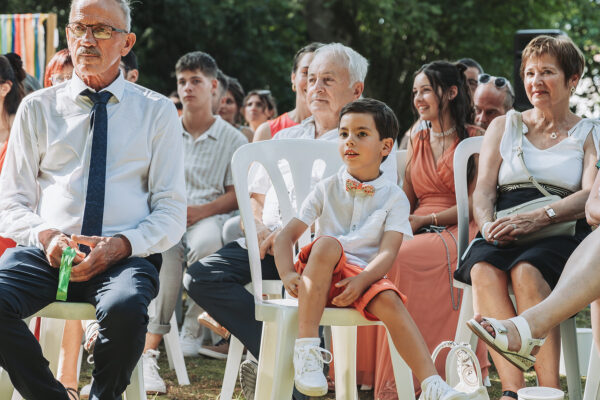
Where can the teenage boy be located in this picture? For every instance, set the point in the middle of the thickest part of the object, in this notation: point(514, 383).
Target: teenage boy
point(209, 144)
point(362, 218)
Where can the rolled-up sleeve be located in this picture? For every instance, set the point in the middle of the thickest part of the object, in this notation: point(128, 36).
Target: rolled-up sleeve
point(166, 223)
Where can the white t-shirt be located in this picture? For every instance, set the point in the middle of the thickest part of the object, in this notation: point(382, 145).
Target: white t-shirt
point(358, 221)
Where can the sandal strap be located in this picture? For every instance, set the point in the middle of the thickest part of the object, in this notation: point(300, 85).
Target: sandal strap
point(527, 342)
point(72, 393)
point(510, 393)
point(501, 337)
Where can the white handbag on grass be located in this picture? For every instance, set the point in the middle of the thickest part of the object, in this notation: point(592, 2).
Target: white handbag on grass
point(464, 360)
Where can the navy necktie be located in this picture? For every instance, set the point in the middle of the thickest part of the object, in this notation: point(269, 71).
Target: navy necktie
point(94, 201)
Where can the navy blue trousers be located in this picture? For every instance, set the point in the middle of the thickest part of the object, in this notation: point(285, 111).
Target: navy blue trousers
point(216, 283)
point(121, 296)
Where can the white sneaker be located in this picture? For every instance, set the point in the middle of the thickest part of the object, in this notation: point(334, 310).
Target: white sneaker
point(308, 367)
point(153, 383)
point(84, 393)
point(190, 344)
point(434, 388)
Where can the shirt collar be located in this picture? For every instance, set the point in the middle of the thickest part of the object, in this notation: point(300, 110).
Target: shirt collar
point(377, 183)
point(211, 132)
point(309, 123)
point(75, 86)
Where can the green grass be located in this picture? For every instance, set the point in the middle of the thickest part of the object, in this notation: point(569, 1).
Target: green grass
point(206, 376)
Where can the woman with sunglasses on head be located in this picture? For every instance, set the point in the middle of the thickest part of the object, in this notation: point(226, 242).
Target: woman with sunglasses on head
point(11, 93)
point(525, 158)
point(423, 266)
point(259, 106)
point(299, 80)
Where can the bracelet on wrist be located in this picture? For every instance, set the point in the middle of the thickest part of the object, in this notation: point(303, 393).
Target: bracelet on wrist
point(434, 219)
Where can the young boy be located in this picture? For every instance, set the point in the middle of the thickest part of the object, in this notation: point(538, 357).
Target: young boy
point(361, 220)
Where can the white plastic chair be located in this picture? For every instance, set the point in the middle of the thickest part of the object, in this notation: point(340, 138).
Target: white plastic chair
point(568, 331)
point(275, 378)
point(174, 353)
point(592, 382)
point(401, 164)
point(54, 316)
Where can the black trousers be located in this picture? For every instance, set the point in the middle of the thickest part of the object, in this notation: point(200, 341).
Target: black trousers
point(121, 296)
point(216, 283)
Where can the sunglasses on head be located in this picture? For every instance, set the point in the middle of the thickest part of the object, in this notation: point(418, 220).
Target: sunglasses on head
point(499, 81)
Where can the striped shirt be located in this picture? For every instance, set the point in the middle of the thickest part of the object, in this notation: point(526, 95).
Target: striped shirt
point(207, 161)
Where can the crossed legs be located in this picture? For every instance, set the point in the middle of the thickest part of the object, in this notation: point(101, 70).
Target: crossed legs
point(491, 298)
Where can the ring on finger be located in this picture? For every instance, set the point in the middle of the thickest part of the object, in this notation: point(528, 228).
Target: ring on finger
point(514, 226)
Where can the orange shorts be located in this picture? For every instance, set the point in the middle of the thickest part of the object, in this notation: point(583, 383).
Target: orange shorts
point(345, 270)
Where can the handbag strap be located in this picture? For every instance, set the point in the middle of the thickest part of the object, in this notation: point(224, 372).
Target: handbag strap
point(522, 159)
point(454, 348)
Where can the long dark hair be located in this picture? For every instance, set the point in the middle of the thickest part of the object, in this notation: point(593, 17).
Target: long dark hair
point(11, 69)
point(442, 75)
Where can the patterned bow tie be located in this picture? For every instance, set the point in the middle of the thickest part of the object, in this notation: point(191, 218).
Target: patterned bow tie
point(357, 187)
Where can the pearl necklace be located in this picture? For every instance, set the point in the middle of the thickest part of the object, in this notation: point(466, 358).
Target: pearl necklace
point(445, 133)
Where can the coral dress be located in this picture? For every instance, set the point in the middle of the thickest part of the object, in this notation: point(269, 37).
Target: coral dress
point(421, 268)
point(4, 243)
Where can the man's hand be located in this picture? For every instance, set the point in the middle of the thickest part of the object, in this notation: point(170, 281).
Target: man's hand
point(55, 242)
point(196, 213)
point(106, 251)
point(355, 286)
point(291, 281)
point(266, 246)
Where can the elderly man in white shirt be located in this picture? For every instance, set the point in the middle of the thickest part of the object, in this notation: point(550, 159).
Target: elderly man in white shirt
point(335, 78)
point(95, 162)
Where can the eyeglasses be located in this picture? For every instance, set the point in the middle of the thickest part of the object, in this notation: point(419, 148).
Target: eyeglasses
point(60, 78)
point(499, 81)
point(100, 31)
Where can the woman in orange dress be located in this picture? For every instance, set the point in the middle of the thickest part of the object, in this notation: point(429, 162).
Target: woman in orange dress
point(11, 93)
point(424, 266)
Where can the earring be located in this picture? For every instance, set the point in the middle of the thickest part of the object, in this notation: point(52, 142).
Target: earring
point(572, 89)
point(293, 87)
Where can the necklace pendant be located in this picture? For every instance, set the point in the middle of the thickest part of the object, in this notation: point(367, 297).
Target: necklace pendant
point(553, 135)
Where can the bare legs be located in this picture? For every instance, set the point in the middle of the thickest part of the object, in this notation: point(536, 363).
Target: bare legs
point(387, 306)
point(69, 354)
point(579, 285)
point(491, 298)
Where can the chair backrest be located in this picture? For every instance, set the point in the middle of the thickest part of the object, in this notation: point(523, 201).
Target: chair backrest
point(463, 152)
point(401, 164)
point(300, 155)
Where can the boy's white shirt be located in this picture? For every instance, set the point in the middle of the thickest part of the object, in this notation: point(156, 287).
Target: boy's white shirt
point(260, 182)
point(357, 220)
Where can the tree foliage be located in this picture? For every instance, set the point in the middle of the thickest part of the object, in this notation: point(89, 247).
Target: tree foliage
point(255, 40)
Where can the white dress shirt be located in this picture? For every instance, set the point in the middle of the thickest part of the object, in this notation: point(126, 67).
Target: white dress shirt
point(261, 183)
point(44, 179)
point(358, 221)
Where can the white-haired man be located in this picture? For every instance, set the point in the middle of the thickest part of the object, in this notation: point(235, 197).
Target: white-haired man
point(90, 163)
point(335, 78)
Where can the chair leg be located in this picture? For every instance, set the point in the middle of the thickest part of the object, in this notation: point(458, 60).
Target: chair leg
point(344, 354)
point(402, 373)
point(275, 378)
point(135, 390)
point(51, 339)
point(568, 334)
point(592, 383)
point(6, 387)
point(234, 358)
point(174, 353)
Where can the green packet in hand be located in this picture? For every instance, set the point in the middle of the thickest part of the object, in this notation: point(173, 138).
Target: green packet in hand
point(64, 274)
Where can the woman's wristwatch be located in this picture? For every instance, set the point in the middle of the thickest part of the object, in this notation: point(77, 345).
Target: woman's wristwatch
point(550, 212)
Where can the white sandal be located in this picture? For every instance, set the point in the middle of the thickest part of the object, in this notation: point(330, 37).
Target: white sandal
point(521, 359)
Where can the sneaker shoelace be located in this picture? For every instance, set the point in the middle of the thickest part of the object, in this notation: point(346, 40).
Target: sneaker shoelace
point(152, 364)
point(312, 358)
point(433, 391)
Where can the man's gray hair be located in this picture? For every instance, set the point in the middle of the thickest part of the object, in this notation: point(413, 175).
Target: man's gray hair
point(125, 7)
point(357, 65)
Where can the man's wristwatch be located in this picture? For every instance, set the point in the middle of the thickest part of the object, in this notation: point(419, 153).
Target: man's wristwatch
point(550, 212)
